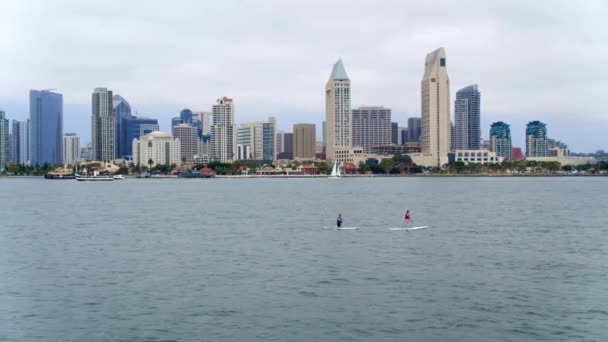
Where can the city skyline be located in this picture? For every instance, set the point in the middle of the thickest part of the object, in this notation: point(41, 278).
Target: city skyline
point(520, 81)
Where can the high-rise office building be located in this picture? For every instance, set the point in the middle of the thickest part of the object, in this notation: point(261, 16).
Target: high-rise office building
point(222, 131)
point(435, 107)
point(371, 126)
point(323, 133)
point(103, 125)
point(500, 139)
point(467, 129)
point(20, 142)
point(136, 127)
point(122, 112)
point(402, 135)
point(394, 133)
point(71, 148)
point(288, 143)
point(279, 142)
point(536, 139)
point(304, 141)
point(205, 119)
point(337, 111)
point(156, 148)
point(414, 129)
point(46, 127)
point(188, 139)
point(5, 148)
point(259, 137)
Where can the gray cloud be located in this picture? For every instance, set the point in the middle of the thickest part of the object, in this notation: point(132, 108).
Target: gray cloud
point(532, 60)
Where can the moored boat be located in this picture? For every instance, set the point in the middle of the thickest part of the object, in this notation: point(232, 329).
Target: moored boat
point(60, 173)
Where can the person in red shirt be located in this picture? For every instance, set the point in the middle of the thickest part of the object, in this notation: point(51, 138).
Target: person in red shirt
point(407, 218)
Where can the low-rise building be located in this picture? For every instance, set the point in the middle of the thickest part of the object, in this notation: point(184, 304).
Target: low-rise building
point(158, 148)
point(473, 156)
point(308, 169)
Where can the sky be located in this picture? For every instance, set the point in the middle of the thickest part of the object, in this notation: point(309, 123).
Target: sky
point(532, 60)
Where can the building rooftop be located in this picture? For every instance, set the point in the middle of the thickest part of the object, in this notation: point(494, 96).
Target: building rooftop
point(338, 72)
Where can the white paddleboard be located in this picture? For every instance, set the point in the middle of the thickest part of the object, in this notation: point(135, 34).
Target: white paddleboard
point(342, 228)
point(412, 228)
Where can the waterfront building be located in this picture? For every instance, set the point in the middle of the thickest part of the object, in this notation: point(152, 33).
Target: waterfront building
point(287, 153)
point(500, 139)
point(222, 131)
point(467, 108)
point(304, 141)
point(187, 136)
point(85, 153)
point(122, 112)
point(394, 133)
point(414, 129)
point(46, 127)
point(536, 139)
point(260, 137)
point(372, 126)
point(103, 126)
point(158, 147)
point(435, 98)
point(20, 142)
point(136, 127)
point(279, 142)
point(473, 157)
point(71, 148)
point(337, 111)
point(5, 148)
point(392, 149)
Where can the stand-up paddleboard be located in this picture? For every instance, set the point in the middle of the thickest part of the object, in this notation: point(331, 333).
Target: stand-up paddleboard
point(412, 228)
point(342, 228)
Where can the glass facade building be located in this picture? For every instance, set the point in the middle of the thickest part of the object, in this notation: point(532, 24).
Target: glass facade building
point(136, 128)
point(500, 139)
point(467, 130)
point(122, 113)
point(536, 139)
point(46, 127)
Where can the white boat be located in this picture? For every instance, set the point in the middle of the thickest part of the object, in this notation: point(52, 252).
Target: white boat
point(118, 177)
point(94, 178)
point(335, 171)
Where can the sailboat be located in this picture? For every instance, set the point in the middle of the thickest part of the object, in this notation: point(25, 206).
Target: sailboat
point(335, 171)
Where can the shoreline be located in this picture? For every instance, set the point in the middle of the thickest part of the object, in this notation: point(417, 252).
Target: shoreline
point(354, 176)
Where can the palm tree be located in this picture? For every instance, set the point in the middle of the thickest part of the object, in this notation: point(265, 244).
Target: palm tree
point(150, 162)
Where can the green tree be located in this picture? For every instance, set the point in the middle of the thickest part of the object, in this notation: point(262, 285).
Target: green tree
point(387, 165)
point(403, 162)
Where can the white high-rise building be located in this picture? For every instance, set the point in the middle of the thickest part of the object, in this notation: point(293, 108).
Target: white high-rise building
point(20, 142)
point(371, 127)
point(337, 111)
point(103, 126)
point(158, 148)
point(436, 135)
point(222, 131)
point(71, 148)
point(188, 139)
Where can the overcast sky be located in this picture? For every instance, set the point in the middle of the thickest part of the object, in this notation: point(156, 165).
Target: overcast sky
point(533, 60)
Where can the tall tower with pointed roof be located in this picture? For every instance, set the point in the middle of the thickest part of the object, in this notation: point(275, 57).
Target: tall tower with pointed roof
point(337, 111)
point(435, 135)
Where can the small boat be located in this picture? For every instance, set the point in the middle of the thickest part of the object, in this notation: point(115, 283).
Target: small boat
point(335, 171)
point(193, 174)
point(95, 177)
point(118, 177)
point(145, 174)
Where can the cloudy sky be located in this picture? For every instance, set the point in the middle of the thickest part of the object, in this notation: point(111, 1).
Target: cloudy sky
point(533, 60)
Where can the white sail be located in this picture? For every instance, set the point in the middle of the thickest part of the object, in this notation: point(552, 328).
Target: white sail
point(333, 170)
point(338, 170)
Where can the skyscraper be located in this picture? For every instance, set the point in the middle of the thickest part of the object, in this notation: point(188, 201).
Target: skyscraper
point(257, 139)
point(279, 142)
point(536, 139)
point(205, 120)
point(71, 148)
point(20, 142)
point(222, 131)
point(467, 130)
point(414, 129)
point(5, 148)
point(500, 139)
point(288, 143)
point(394, 133)
point(337, 111)
point(136, 127)
point(188, 139)
point(122, 113)
point(435, 107)
point(46, 127)
point(304, 141)
point(371, 126)
point(103, 125)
